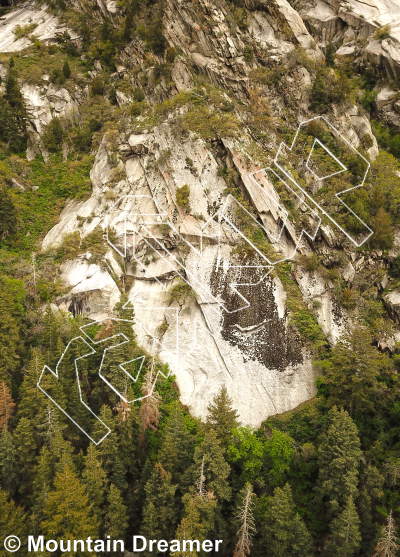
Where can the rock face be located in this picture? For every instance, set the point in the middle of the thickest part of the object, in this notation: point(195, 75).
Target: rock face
point(208, 335)
point(392, 304)
point(209, 306)
point(354, 23)
point(44, 27)
point(93, 290)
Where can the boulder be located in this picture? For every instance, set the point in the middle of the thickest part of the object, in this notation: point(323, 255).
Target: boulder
point(139, 144)
point(388, 106)
point(392, 304)
point(323, 21)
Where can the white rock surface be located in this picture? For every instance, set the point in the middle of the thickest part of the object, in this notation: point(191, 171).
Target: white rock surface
point(392, 304)
point(252, 351)
point(93, 291)
point(332, 318)
point(47, 27)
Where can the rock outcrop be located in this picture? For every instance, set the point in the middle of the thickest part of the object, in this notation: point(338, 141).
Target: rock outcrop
point(43, 26)
point(230, 323)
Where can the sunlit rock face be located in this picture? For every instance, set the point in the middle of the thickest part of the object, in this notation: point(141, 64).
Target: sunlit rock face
point(44, 26)
point(236, 328)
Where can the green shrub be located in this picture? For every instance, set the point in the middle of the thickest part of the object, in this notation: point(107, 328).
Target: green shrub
point(182, 197)
point(24, 31)
point(210, 124)
point(66, 70)
point(319, 95)
point(112, 96)
point(395, 268)
point(138, 95)
point(367, 99)
point(347, 298)
point(383, 33)
point(382, 237)
point(57, 77)
point(329, 87)
point(52, 135)
point(97, 86)
point(367, 141)
point(308, 327)
point(179, 293)
point(342, 89)
point(8, 214)
point(110, 195)
point(241, 18)
point(394, 146)
point(154, 36)
point(311, 262)
point(70, 246)
point(248, 54)
point(103, 51)
point(330, 55)
point(82, 139)
point(171, 55)
point(136, 108)
point(385, 173)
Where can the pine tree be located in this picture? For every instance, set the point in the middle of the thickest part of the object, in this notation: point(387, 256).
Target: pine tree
point(7, 405)
point(12, 520)
point(9, 333)
point(159, 512)
point(13, 113)
point(383, 235)
point(50, 424)
point(94, 478)
point(345, 535)
point(116, 519)
point(209, 456)
point(66, 70)
point(222, 417)
point(25, 446)
point(13, 94)
point(118, 475)
point(388, 543)
point(8, 460)
point(62, 453)
point(43, 481)
point(370, 494)
point(177, 448)
point(301, 539)
point(50, 335)
point(33, 402)
point(245, 517)
point(339, 457)
point(197, 522)
point(10, 135)
point(319, 96)
point(68, 513)
point(351, 373)
point(127, 428)
point(52, 135)
point(285, 534)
